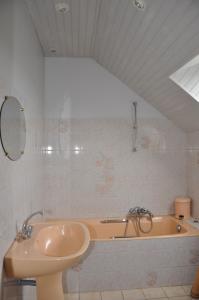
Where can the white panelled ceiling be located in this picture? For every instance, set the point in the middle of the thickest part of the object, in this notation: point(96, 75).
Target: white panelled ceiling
point(141, 48)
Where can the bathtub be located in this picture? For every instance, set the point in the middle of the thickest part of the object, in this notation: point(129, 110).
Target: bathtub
point(163, 257)
point(163, 227)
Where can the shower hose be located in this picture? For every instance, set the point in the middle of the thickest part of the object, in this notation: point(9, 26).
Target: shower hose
point(136, 220)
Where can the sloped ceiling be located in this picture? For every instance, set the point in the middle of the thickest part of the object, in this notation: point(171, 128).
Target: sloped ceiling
point(141, 48)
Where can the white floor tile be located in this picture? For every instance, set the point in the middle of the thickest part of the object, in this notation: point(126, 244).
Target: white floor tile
point(90, 296)
point(135, 294)
point(13, 298)
point(154, 293)
point(160, 299)
point(112, 295)
point(187, 289)
point(181, 298)
point(164, 293)
point(72, 296)
point(173, 291)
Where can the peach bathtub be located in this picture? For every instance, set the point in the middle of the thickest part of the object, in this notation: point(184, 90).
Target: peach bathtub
point(162, 257)
point(163, 226)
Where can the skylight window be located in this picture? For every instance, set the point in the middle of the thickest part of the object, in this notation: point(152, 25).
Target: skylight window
point(187, 77)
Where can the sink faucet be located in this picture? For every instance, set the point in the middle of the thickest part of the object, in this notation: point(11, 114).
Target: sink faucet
point(26, 230)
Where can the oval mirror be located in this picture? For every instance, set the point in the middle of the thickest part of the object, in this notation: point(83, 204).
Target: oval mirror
point(12, 128)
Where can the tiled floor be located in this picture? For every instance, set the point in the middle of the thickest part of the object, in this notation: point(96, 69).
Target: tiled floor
point(164, 293)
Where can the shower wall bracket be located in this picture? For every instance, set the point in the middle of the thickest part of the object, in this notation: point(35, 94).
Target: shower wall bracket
point(135, 126)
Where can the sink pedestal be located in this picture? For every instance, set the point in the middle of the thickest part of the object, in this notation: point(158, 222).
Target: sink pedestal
point(49, 287)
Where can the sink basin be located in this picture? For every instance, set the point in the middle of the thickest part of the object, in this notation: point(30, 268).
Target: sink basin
point(53, 247)
point(60, 240)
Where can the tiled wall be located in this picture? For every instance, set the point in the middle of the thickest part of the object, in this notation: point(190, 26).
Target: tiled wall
point(91, 169)
point(116, 265)
point(21, 75)
point(193, 170)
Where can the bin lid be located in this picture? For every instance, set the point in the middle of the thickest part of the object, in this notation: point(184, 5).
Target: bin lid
point(183, 200)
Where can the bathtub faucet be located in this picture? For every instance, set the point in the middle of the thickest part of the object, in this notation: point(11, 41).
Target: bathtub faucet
point(139, 212)
point(135, 215)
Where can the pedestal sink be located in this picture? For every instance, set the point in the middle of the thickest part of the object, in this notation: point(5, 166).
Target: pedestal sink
point(53, 247)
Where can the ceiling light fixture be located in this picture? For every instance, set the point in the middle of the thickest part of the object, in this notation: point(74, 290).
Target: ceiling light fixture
point(52, 50)
point(139, 4)
point(62, 7)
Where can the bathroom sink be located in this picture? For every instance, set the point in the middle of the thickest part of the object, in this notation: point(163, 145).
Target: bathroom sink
point(53, 247)
point(61, 240)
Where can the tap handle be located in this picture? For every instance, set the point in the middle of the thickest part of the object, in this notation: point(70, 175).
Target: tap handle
point(131, 210)
point(17, 228)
